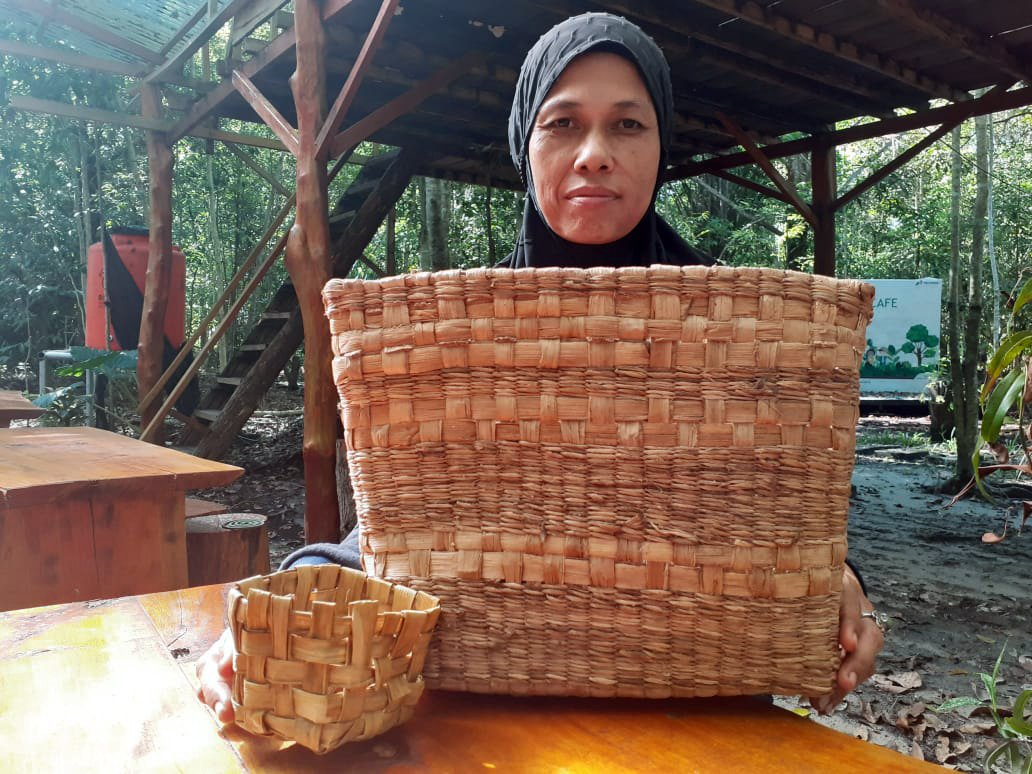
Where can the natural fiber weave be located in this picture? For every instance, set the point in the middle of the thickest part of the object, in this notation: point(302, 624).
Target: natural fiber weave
point(325, 655)
point(623, 482)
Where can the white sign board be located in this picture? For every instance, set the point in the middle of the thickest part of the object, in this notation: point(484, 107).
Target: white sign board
point(903, 339)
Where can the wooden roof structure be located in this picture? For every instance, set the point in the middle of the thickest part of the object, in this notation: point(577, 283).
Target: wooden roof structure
point(754, 80)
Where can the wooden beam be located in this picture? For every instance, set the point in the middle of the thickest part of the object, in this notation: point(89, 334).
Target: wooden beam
point(767, 17)
point(893, 165)
point(53, 107)
point(174, 65)
point(960, 37)
point(773, 193)
point(51, 13)
point(257, 168)
point(159, 262)
point(187, 26)
point(266, 111)
point(379, 118)
point(765, 164)
point(992, 102)
point(339, 110)
point(676, 32)
point(63, 109)
point(309, 263)
point(822, 184)
point(278, 47)
point(27, 50)
point(376, 270)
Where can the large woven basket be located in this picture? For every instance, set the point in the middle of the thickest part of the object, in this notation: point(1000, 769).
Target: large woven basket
point(626, 482)
point(325, 655)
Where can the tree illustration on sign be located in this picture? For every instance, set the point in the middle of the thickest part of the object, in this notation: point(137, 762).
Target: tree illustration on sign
point(920, 343)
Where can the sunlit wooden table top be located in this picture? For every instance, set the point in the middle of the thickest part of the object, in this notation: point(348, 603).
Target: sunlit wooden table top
point(13, 405)
point(109, 686)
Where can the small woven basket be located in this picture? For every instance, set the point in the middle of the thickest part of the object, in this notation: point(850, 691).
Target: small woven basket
point(325, 655)
point(625, 482)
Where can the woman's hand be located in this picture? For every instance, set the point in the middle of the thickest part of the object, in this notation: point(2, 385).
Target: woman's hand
point(215, 671)
point(860, 639)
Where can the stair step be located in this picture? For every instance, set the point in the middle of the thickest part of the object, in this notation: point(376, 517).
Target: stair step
point(252, 347)
point(208, 415)
point(232, 380)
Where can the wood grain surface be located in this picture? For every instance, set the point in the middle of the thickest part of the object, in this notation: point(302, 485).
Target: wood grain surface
point(14, 406)
point(95, 687)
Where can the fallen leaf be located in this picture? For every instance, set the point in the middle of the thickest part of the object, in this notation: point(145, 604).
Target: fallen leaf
point(956, 672)
point(959, 748)
point(898, 682)
point(978, 727)
point(1026, 662)
point(1000, 451)
point(942, 748)
point(992, 537)
point(802, 712)
point(986, 640)
point(868, 712)
point(916, 751)
point(863, 734)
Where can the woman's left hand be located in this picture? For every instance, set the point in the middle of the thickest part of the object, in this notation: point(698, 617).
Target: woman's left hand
point(861, 640)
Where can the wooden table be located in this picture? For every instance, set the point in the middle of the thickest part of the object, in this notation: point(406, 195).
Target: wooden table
point(14, 406)
point(94, 687)
point(88, 514)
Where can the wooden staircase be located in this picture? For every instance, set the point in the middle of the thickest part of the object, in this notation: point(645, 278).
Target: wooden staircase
point(224, 409)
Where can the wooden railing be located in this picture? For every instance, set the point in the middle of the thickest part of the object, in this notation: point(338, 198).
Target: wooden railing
point(151, 430)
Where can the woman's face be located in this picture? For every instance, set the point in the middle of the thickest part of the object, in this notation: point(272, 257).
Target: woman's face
point(594, 150)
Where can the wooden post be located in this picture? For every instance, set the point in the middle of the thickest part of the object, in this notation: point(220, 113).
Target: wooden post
point(159, 262)
point(308, 262)
point(822, 174)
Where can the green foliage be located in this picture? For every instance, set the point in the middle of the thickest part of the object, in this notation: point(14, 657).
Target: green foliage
point(1008, 386)
point(1014, 729)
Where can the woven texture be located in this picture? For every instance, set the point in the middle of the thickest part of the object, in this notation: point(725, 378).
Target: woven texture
point(325, 655)
point(625, 482)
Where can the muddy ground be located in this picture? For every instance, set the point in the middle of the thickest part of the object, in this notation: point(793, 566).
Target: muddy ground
point(953, 601)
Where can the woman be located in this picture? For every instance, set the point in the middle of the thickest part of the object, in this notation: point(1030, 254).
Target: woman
point(588, 132)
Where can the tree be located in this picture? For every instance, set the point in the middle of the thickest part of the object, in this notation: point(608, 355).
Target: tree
point(920, 343)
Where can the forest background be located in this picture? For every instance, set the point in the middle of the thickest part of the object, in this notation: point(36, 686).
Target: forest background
point(63, 181)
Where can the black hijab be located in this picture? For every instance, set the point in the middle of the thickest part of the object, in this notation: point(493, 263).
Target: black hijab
point(652, 240)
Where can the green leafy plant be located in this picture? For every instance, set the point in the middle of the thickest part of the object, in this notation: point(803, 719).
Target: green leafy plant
point(1007, 388)
point(70, 404)
point(1014, 729)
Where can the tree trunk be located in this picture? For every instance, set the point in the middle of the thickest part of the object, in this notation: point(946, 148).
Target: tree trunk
point(435, 216)
point(962, 470)
point(492, 249)
point(391, 259)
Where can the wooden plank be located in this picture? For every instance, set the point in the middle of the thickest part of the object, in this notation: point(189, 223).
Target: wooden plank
point(266, 111)
point(27, 50)
point(988, 50)
point(93, 689)
point(768, 17)
point(51, 12)
point(44, 464)
point(195, 506)
point(188, 25)
point(989, 103)
point(339, 109)
point(46, 555)
point(139, 543)
point(13, 405)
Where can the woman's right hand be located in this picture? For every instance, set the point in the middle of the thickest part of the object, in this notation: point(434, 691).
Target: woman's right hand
point(215, 672)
